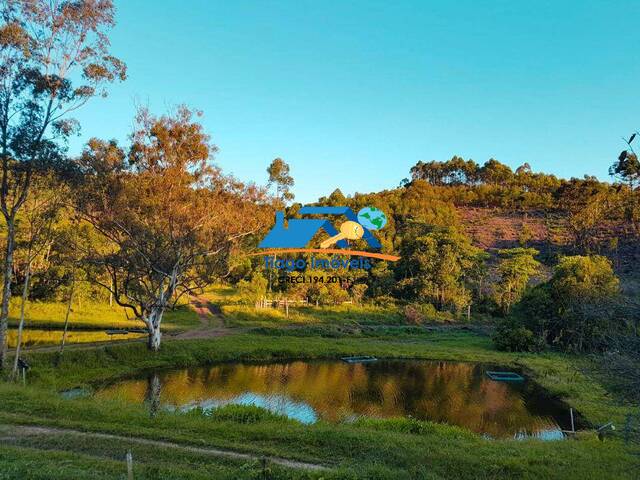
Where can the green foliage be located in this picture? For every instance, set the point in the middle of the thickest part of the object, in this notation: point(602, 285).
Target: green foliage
point(496, 185)
point(278, 171)
point(627, 167)
point(512, 336)
point(345, 314)
point(438, 266)
point(253, 290)
point(525, 235)
point(381, 281)
point(411, 426)
point(577, 309)
point(581, 277)
point(357, 291)
point(332, 294)
point(516, 267)
point(244, 414)
point(419, 313)
point(492, 184)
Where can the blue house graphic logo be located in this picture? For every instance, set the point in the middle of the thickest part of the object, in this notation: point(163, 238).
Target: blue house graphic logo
point(299, 231)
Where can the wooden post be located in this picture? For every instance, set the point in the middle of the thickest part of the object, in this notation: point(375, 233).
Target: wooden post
point(573, 428)
point(66, 316)
point(286, 307)
point(627, 428)
point(25, 295)
point(129, 465)
point(24, 376)
point(468, 313)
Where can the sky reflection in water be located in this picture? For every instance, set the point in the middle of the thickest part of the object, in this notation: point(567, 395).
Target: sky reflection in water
point(448, 392)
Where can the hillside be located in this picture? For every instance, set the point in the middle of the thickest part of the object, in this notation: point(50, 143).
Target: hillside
point(498, 208)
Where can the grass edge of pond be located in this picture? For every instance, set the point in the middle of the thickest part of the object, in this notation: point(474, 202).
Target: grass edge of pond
point(560, 374)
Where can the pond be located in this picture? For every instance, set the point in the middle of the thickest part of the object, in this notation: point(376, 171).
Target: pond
point(448, 392)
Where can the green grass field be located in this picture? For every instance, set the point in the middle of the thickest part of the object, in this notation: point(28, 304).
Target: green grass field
point(93, 316)
point(367, 449)
point(37, 337)
point(338, 315)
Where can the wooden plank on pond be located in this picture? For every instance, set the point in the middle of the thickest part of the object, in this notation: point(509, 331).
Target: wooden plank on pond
point(359, 359)
point(505, 376)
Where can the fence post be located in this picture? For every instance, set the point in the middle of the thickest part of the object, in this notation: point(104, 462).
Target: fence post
point(573, 427)
point(129, 465)
point(627, 428)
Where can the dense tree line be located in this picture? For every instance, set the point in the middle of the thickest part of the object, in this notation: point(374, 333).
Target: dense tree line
point(494, 184)
point(571, 300)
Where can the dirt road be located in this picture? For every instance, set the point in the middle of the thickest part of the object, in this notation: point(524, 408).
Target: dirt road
point(13, 433)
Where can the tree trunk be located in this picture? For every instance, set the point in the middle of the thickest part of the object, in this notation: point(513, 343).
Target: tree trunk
point(154, 388)
point(153, 326)
point(66, 316)
point(6, 290)
point(154, 339)
point(25, 293)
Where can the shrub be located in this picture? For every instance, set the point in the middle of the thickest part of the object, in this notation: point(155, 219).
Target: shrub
point(577, 310)
point(244, 414)
point(412, 426)
point(512, 336)
point(419, 313)
point(357, 291)
point(384, 301)
point(253, 290)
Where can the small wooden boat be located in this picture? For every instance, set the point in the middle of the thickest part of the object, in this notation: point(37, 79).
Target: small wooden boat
point(505, 376)
point(359, 359)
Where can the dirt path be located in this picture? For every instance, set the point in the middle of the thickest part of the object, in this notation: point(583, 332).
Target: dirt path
point(211, 322)
point(15, 432)
point(211, 326)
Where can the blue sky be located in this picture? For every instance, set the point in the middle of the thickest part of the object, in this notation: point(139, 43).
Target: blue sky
point(353, 93)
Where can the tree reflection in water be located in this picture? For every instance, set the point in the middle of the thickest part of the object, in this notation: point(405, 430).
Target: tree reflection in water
point(448, 392)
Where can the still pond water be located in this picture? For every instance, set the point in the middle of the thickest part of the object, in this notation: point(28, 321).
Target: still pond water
point(447, 392)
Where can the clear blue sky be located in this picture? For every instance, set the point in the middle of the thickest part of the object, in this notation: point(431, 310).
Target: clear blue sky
point(353, 93)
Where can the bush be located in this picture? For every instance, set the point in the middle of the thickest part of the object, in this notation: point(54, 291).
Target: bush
point(245, 414)
point(412, 426)
point(512, 336)
point(253, 290)
point(419, 313)
point(384, 301)
point(577, 309)
point(357, 291)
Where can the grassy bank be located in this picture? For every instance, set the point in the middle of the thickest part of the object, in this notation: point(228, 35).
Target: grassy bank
point(367, 449)
point(87, 323)
point(372, 449)
point(562, 375)
point(37, 337)
point(343, 315)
